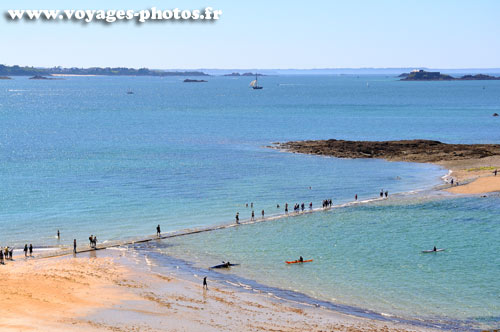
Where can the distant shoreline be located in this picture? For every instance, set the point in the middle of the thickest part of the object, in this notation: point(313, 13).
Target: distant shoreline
point(72, 75)
point(467, 162)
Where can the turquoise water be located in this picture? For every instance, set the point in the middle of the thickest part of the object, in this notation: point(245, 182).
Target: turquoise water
point(370, 257)
point(82, 156)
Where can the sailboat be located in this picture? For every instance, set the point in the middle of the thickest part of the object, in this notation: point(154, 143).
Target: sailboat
point(254, 84)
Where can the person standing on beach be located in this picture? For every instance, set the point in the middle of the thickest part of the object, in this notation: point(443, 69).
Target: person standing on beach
point(262, 214)
point(26, 250)
point(356, 197)
point(91, 237)
point(158, 230)
point(1, 257)
point(386, 194)
point(58, 234)
point(74, 246)
point(205, 286)
point(94, 240)
point(31, 250)
point(495, 172)
point(286, 208)
point(237, 217)
point(11, 252)
point(382, 193)
point(253, 216)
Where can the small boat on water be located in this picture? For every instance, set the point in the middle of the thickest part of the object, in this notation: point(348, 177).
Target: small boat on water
point(432, 250)
point(255, 84)
point(299, 261)
point(224, 265)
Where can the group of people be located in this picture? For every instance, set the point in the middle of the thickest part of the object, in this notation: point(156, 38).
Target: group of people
point(93, 241)
point(6, 254)
point(327, 203)
point(26, 249)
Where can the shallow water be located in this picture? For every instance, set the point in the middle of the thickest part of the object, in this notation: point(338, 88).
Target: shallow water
point(82, 156)
point(370, 257)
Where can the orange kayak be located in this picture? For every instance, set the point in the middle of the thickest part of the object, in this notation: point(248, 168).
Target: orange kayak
point(297, 261)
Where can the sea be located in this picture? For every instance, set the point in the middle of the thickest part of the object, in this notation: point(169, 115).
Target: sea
point(82, 156)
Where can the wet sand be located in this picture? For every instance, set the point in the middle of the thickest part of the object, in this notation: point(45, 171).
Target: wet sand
point(101, 291)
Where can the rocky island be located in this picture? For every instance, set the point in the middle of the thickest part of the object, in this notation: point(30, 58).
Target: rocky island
point(422, 75)
point(187, 80)
point(39, 77)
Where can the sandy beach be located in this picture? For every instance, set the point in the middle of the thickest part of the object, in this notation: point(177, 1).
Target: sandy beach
point(98, 292)
point(476, 173)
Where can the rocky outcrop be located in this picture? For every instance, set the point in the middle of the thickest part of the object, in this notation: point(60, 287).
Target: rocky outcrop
point(422, 75)
point(187, 80)
point(407, 150)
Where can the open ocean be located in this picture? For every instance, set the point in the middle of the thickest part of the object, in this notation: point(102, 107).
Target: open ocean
point(82, 156)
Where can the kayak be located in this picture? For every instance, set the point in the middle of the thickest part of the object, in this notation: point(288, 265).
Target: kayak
point(223, 266)
point(297, 261)
point(428, 251)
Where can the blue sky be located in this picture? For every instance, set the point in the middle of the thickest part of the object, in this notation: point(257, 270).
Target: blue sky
point(265, 34)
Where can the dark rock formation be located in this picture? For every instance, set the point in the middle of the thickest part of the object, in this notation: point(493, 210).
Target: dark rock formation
point(408, 150)
point(187, 80)
point(38, 77)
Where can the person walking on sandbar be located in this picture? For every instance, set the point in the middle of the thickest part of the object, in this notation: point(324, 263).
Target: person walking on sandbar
point(158, 231)
point(74, 246)
point(253, 215)
point(237, 217)
point(31, 250)
point(262, 214)
point(205, 286)
point(26, 250)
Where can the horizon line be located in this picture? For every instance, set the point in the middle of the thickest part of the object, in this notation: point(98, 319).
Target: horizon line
point(257, 68)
